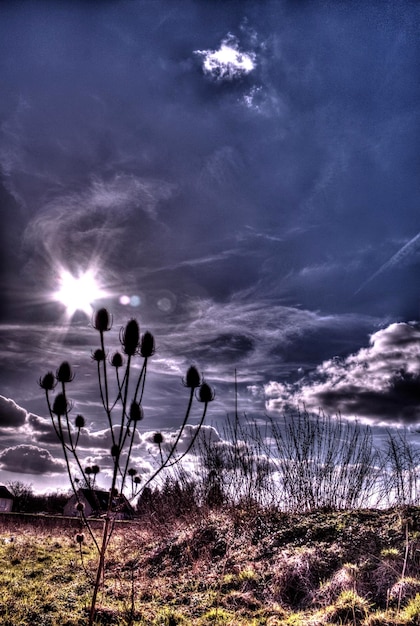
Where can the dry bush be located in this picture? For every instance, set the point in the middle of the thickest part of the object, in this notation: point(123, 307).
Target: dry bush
point(344, 579)
point(296, 575)
point(349, 608)
point(403, 590)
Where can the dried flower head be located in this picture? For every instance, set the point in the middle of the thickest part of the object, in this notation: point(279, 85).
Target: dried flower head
point(192, 378)
point(130, 337)
point(95, 469)
point(147, 346)
point(47, 382)
point(102, 321)
point(115, 450)
point(132, 471)
point(80, 506)
point(80, 538)
point(60, 405)
point(158, 438)
point(98, 355)
point(136, 412)
point(79, 422)
point(88, 470)
point(117, 360)
point(137, 480)
point(64, 373)
point(205, 393)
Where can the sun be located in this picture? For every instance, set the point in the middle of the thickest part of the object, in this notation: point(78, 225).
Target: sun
point(78, 293)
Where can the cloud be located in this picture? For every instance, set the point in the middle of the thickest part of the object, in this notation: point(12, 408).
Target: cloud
point(11, 415)
point(27, 459)
point(42, 430)
point(94, 220)
point(380, 383)
point(253, 334)
point(228, 62)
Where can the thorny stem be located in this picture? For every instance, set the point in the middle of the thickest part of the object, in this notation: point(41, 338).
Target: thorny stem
point(101, 332)
point(134, 428)
point(173, 449)
point(120, 390)
point(142, 376)
point(192, 442)
point(101, 565)
point(64, 446)
point(68, 422)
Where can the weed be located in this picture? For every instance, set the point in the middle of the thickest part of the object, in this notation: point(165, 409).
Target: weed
point(349, 608)
point(217, 616)
point(390, 554)
point(127, 404)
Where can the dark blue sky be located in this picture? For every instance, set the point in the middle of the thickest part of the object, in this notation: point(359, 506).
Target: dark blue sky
point(246, 174)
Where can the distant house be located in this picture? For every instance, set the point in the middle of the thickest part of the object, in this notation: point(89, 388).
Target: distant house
point(96, 503)
point(6, 500)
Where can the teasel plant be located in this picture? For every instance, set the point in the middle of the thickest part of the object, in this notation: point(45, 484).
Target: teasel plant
point(123, 414)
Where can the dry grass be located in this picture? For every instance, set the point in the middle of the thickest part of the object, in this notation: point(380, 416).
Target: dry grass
point(250, 567)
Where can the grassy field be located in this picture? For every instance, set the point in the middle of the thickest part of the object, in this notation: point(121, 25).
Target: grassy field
point(238, 567)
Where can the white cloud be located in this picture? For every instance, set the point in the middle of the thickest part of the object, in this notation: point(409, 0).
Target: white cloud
point(25, 459)
point(228, 62)
point(380, 383)
point(11, 415)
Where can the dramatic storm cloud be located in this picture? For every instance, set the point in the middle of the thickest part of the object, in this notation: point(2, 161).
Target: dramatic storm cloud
point(380, 383)
point(25, 459)
point(242, 177)
point(11, 415)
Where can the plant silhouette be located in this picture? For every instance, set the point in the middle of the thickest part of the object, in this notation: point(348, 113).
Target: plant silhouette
point(124, 412)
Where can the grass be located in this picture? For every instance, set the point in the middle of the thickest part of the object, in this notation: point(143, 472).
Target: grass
point(236, 568)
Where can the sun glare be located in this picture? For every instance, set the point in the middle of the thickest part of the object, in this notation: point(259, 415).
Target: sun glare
point(78, 293)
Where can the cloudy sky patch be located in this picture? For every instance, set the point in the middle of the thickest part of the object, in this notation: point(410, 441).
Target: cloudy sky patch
point(242, 177)
point(378, 384)
point(28, 459)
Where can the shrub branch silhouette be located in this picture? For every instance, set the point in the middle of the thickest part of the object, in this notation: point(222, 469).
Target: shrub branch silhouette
point(123, 415)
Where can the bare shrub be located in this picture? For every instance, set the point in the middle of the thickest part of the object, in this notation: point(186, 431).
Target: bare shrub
point(401, 475)
point(236, 470)
point(323, 462)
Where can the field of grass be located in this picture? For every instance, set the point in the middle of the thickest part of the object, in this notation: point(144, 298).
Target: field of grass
point(252, 567)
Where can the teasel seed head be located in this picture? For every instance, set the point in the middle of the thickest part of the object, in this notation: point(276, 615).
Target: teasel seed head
point(117, 360)
point(60, 405)
point(192, 378)
point(205, 393)
point(48, 381)
point(158, 438)
point(98, 355)
point(64, 373)
point(79, 422)
point(136, 412)
point(80, 538)
point(130, 337)
point(147, 346)
point(102, 320)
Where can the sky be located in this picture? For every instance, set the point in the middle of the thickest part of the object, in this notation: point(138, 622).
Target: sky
point(241, 177)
